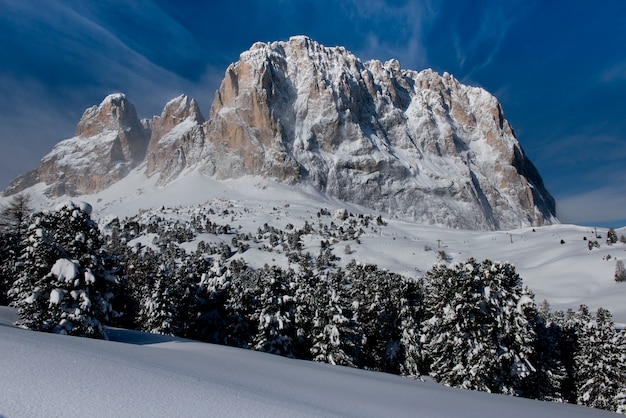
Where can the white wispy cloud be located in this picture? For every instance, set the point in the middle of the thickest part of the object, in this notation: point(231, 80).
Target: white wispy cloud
point(476, 50)
point(407, 21)
point(600, 206)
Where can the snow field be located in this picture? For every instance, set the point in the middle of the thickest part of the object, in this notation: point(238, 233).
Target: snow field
point(141, 375)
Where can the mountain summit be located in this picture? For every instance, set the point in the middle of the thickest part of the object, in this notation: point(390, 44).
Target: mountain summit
point(413, 144)
point(400, 141)
point(110, 141)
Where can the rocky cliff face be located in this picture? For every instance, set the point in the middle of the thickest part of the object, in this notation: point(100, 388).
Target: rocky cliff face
point(177, 139)
point(414, 144)
point(110, 141)
point(411, 143)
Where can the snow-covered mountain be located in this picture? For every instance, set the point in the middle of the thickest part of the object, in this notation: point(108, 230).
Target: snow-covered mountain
point(177, 139)
point(415, 144)
point(110, 141)
point(399, 141)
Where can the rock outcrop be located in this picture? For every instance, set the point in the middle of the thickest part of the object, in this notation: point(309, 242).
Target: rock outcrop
point(110, 141)
point(415, 144)
point(177, 139)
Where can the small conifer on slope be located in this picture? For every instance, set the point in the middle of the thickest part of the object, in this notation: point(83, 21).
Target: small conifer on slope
point(476, 332)
point(598, 372)
point(66, 282)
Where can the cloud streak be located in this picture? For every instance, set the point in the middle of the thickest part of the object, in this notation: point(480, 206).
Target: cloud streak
point(77, 61)
point(408, 20)
point(478, 34)
point(601, 207)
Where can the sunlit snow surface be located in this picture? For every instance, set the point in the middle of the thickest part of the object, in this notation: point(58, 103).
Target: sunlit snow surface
point(144, 375)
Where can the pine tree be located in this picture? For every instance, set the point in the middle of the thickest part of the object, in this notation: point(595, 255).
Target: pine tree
point(566, 323)
point(620, 397)
point(13, 224)
point(240, 305)
point(275, 313)
point(159, 311)
point(333, 334)
point(306, 288)
point(550, 373)
point(375, 294)
point(598, 371)
point(211, 303)
point(14, 215)
point(140, 266)
point(411, 314)
point(620, 271)
point(66, 282)
point(8, 259)
point(477, 334)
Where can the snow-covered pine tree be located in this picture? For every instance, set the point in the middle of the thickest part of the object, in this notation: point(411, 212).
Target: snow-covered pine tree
point(305, 285)
point(598, 371)
point(13, 225)
point(620, 397)
point(412, 361)
point(8, 259)
point(139, 267)
point(14, 216)
point(158, 313)
point(566, 323)
point(66, 283)
point(333, 334)
point(550, 373)
point(375, 294)
point(275, 312)
point(476, 332)
point(185, 290)
point(240, 306)
point(211, 305)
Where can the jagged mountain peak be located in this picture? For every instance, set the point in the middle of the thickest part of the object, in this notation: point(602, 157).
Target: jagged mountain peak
point(180, 108)
point(177, 139)
point(110, 141)
point(115, 112)
point(415, 144)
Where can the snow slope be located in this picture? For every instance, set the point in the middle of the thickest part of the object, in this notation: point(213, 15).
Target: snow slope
point(138, 374)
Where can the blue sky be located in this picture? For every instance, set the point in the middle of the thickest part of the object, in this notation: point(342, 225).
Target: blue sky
point(557, 67)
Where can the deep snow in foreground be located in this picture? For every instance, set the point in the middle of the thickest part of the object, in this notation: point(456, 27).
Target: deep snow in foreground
point(137, 374)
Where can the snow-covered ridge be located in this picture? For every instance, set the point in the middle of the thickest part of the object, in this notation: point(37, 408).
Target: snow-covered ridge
point(414, 144)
